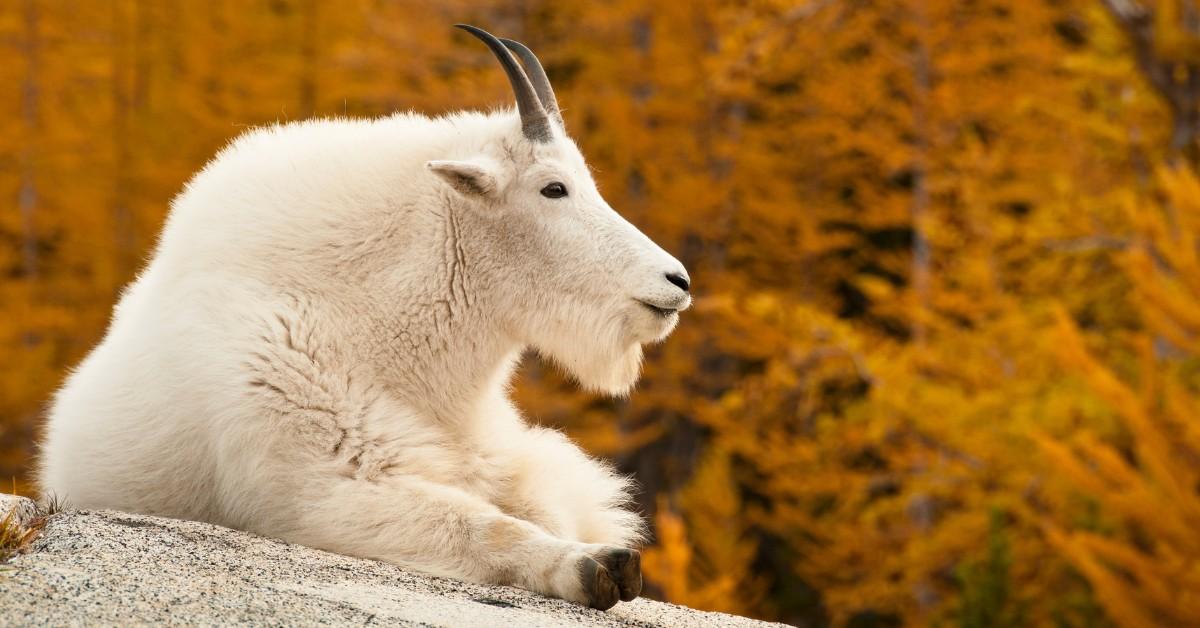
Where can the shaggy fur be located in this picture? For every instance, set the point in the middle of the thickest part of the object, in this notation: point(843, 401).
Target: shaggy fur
point(320, 347)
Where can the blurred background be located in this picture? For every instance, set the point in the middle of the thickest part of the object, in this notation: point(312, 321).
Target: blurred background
point(944, 363)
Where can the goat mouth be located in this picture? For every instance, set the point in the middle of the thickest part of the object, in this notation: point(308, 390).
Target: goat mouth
point(662, 312)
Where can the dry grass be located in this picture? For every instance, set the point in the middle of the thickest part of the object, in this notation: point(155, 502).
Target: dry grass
point(16, 536)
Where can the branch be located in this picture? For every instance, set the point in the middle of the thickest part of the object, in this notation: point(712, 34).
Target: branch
point(1089, 243)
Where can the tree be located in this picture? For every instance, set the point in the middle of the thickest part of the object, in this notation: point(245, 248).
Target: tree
point(898, 217)
point(1141, 555)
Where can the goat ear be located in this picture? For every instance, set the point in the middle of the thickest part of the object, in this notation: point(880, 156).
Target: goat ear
point(470, 178)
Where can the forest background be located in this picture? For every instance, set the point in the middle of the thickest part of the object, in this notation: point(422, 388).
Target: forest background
point(944, 362)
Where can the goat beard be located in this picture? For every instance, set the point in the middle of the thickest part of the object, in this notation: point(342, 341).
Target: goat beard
point(597, 361)
point(613, 375)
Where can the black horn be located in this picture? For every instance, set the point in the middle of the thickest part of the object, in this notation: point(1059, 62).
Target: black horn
point(537, 75)
point(535, 123)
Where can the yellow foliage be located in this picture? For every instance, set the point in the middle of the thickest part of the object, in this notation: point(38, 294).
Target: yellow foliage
point(943, 361)
point(1147, 571)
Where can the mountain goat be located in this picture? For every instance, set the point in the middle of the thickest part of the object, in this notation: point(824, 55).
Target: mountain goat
point(320, 347)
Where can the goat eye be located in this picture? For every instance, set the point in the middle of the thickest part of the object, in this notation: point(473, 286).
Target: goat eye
point(554, 190)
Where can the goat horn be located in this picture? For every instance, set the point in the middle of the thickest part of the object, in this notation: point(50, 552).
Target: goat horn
point(537, 75)
point(535, 124)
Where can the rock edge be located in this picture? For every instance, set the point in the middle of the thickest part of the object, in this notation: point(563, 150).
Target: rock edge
point(105, 567)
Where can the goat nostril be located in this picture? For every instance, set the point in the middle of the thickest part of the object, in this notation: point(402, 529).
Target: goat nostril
point(679, 280)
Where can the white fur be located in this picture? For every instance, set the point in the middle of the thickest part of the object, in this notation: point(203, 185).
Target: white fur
point(320, 347)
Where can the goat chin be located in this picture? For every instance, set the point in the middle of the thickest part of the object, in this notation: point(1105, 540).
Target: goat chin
point(607, 371)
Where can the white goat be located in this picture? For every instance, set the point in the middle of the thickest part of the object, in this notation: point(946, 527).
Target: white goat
point(320, 347)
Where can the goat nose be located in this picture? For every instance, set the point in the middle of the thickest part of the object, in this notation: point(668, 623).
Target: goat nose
point(679, 280)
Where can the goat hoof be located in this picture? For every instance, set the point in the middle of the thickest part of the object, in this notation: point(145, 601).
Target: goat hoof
point(599, 587)
point(625, 566)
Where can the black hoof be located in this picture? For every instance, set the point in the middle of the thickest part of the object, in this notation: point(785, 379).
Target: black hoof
point(625, 565)
point(598, 585)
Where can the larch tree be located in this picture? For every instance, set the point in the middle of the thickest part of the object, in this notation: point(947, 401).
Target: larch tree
point(920, 286)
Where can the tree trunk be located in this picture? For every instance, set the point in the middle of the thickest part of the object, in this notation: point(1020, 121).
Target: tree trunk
point(920, 189)
point(1177, 81)
point(308, 57)
point(120, 129)
point(27, 194)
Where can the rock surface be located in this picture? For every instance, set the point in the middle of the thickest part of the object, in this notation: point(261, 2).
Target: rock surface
point(111, 568)
point(23, 510)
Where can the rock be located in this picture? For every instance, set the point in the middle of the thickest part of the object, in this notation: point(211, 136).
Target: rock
point(111, 568)
point(23, 510)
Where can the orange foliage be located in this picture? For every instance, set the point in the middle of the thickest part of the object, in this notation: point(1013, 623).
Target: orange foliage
point(944, 356)
point(1146, 569)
